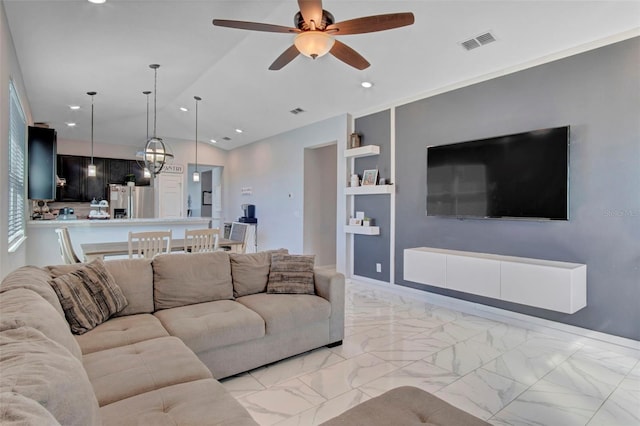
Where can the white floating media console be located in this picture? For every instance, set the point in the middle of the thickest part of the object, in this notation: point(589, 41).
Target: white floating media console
point(557, 286)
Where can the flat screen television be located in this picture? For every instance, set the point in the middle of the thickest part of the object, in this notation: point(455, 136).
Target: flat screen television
point(519, 176)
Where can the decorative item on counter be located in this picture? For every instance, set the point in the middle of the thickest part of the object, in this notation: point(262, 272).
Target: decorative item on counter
point(370, 177)
point(354, 140)
point(355, 180)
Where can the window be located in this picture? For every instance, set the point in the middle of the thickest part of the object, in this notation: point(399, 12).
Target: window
point(17, 149)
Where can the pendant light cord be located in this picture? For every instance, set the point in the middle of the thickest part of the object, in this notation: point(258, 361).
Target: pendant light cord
point(155, 97)
point(91, 129)
point(197, 99)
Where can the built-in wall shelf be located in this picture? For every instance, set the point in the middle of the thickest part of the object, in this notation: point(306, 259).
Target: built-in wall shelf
point(362, 151)
point(547, 284)
point(368, 189)
point(362, 230)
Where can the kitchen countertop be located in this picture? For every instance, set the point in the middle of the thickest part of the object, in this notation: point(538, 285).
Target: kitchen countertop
point(116, 222)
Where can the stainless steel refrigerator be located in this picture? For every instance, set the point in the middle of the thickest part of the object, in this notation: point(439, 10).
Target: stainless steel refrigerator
point(130, 202)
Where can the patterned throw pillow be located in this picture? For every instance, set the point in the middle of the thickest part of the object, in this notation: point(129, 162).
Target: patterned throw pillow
point(89, 296)
point(291, 274)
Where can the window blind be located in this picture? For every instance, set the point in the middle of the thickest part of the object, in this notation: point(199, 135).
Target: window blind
point(17, 150)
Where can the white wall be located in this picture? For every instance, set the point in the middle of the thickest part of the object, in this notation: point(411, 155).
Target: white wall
point(9, 69)
point(274, 169)
point(320, 196)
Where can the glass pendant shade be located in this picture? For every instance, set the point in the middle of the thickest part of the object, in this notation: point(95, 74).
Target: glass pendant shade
point(196, 176)
point(91, 170)
point(146, 173)
point(314, 44)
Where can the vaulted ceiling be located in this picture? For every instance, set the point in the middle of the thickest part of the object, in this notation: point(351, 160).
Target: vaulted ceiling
point(68, 47)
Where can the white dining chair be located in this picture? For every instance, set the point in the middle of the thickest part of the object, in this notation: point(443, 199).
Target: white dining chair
point(201, 240)
point(66, 248)
point(239, 232)
point(148, 244)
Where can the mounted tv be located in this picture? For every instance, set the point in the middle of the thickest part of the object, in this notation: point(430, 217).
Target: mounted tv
point(519, 176)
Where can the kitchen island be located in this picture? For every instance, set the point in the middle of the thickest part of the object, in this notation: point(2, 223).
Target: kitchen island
point(42, 240)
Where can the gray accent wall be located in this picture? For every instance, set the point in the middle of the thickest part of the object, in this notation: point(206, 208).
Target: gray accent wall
point(597, 93)
point(375, 129)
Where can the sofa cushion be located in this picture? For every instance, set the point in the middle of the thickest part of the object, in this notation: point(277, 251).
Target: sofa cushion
point(250, 271)
point(201, 402)
point(133, 276)
point(213, 324)
point(282, 312)
point(187, 278)
point(18, 410)
point(35, 279)
point(291, 274)
point(89, 296)
point(43, 370)
point(121, 331)
point(24, 308)
point(120, 373)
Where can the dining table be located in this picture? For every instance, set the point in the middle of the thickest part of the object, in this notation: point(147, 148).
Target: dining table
point(94, 251)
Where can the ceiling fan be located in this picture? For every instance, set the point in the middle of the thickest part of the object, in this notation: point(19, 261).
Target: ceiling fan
point(315, 30)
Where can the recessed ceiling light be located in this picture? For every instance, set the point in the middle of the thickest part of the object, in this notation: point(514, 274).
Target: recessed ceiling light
point(74, 107)
point(71, 124)
point(238, 130)
point(183, 109)
point(213, 141)
point(97, 1)
point(366, 84)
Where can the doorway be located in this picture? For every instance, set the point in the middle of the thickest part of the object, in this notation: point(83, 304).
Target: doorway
point(320, 203)
point(204, 198)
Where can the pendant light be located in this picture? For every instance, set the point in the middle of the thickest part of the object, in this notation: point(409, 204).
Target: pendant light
point(91, 170)
point(155, 152)
point(196, 174)
point(145, 171)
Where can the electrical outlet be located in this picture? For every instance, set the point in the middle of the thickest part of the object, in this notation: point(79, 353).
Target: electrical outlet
point(378, 267)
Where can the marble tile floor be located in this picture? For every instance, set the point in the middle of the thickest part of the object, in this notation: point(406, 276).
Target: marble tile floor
point(505, 374)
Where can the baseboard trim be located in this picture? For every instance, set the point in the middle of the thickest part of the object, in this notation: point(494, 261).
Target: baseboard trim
point(498, 314)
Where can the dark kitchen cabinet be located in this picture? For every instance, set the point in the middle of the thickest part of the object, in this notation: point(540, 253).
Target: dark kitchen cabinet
point(118, 170)
point(42, 146)
point(138, 171)
point(73, 169)
point(81, 187)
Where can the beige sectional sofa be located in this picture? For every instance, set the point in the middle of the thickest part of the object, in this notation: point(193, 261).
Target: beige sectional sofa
point(189, 319)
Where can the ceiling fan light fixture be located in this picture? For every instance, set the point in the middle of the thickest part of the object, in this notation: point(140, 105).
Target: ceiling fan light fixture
point(314, 44)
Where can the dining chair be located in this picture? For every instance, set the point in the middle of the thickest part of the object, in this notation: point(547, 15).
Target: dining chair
point(201, 240)
point(148, 244)
point(66, 248)
point(239, 232)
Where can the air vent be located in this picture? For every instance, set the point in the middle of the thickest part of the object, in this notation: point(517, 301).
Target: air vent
point(478, 41)
point(296, 111)
point(226, 138)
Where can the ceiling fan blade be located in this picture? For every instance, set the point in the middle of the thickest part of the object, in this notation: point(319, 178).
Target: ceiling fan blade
point(311, 11)
point(287, 56)
point(348, 56)
point(370, 24)
point(254, 26)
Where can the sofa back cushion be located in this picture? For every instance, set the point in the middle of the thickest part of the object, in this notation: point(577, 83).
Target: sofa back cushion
point(133, 276)
point(250, 271)
point(187, 278)
point(42, 370)
point(35, 279)
point(25, 308)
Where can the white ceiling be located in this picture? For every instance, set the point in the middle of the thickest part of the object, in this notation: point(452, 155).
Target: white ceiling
point(69, 47)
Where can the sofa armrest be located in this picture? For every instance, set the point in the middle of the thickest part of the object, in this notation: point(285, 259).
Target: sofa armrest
point(330, 286)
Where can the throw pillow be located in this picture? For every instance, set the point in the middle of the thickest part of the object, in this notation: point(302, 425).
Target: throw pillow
point(291, 274)
point(89, 296)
